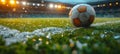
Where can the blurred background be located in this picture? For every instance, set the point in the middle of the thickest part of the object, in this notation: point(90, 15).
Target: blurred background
point(55, 8)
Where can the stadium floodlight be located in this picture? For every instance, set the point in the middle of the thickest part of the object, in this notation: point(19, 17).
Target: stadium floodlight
point(110, 4)
point(12, 2)
point(98, 5)
point(38, 4)
point(24, 3)
point(117, 3)
point(56, 6)
point(59, 6)
point(104, 5)
point(51, 5)
point(33, 4)
point(17, 2)
point(3, 1)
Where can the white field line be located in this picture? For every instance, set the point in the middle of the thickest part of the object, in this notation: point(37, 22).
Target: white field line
point(13, 35)
point(104, 23)
point(99, 24)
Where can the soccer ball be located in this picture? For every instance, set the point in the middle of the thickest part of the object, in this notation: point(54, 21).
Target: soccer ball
point(82, 15)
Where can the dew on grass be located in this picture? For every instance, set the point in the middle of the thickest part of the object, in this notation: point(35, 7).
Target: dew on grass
point(80, 45)
point(71, 43)
point(102, 35)
point(40, 39)
point(117, 37)
point(62, 35)
point(34, 40)
point(64, 47)
point(48, 36)
point(12, 35)
point(75, 52)
point(47, 42)
point(37, 45)
point(96, 45)
point(87, 37)
point(95, 32)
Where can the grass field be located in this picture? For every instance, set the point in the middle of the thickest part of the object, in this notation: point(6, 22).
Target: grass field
point(25, 24)
point(104, 39)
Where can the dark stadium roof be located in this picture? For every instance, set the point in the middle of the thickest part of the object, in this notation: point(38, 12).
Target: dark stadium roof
point(70, 1)
point(75, 1)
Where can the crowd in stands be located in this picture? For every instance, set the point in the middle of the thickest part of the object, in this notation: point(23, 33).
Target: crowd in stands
point(99, 13)
point(33, 15)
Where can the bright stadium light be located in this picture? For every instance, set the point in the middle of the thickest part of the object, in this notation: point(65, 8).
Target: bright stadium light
point(110, 4)
point(104, 5)
point(59, 6)
point(38, 4)
point(56, 6)
point(51, 5)
point(117, 3)
point(3, 1)
point(98, 5)
point(12, 2)
point(24, 3)
point(33, 4)
point(17, 2)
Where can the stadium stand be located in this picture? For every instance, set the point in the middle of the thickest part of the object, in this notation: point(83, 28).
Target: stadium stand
point(44, 8)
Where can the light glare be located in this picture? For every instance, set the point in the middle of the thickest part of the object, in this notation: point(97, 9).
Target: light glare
point(33, 4)
point(55, 6)
point(24, 3)
point(3, 1)
point(59, 6)
point(51, 5)
point(117, 3)
point(104, 5)
point(110, 4)
point(12, 2)
point(38, 4)
point(17, 2)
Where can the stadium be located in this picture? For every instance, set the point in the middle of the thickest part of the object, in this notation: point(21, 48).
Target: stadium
point(41, 8)
point(45, 27)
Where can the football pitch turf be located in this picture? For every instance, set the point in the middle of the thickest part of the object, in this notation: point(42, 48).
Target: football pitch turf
point(30, 24)
point(103, 39)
